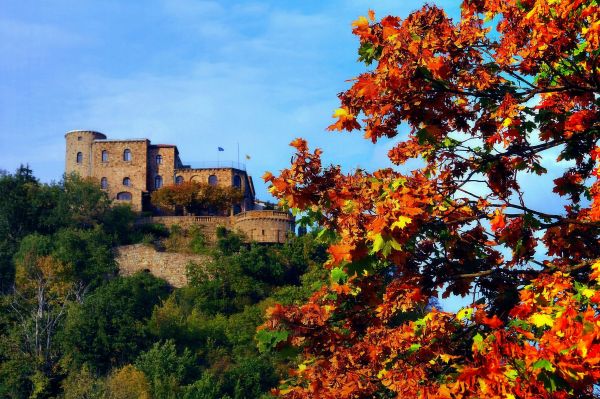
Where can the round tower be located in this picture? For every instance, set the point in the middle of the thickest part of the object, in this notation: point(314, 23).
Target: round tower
point(79, 151)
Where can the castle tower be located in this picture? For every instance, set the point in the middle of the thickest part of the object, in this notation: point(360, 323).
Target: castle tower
point(79, 151)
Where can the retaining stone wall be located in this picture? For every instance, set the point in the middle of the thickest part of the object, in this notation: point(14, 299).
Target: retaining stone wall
point(169, 266)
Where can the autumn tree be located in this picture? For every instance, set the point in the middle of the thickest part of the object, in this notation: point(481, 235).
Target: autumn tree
point(193, 197)
point(493, 193)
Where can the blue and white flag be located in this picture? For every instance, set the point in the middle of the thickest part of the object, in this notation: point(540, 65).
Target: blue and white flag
point(221, 149)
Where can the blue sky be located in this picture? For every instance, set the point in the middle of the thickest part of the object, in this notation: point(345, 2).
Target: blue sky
point(198, 74)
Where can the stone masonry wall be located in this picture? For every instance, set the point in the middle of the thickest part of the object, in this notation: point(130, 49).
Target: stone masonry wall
point(116, 168)
point(80, 141)
point(166, 169)
point(209, 224)
point(259, 226)
point(265, 226)
point(169, 266)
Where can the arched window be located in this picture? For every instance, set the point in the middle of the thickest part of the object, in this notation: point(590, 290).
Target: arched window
point(104, 156)
point(79, 157)
point(158, 159)
point(127, 181)
point(237, 181)
point(127, 155)
point(212, 180)
point(124, 196)
point(179, 180)
point(158, 182)
point(104, 183)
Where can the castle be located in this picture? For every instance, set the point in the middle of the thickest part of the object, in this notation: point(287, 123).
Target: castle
point(129, 170)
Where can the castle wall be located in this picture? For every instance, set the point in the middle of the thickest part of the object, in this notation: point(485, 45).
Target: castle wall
point(165, 169)
point(169, 266)
point(225, 178)
point(115, 169)
point(83, 156)
point(265, 226)
point(209, 224)
point(224, 175)
point(258, 226)
point(80, 141)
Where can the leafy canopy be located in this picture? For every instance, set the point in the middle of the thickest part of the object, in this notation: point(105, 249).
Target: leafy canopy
point(487, 113)
point(194, 197)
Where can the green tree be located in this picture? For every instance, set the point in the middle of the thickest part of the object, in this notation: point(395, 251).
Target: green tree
point(88, 252)
point(21, 211)
point(165, 369)
point(44, 287)
point(82, 384)
point(127, 383)
point(109, 328)
point(79, 202)
point(196, 198)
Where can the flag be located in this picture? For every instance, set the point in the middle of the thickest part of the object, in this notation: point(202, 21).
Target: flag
point(247, 157)
point(220, 148)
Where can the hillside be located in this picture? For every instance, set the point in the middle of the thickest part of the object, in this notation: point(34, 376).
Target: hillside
point(178, 320)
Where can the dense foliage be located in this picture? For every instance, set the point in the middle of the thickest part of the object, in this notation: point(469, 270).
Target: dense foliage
point(71, 328)
point(493, 194)
point(195, 198)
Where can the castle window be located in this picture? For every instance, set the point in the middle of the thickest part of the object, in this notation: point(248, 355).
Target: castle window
point(127, 181)
point(79, 138)
point(104, 156)
point(104, 183)
point(158, 159)
point(127, 155)
point(124, 196)
point(237, 181)
point(79, 157)
point(179, 180)
point(212, 180)
point(158, 182)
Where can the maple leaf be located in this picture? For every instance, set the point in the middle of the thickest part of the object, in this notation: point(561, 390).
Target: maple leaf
point(465, 95)
point(498, 222)
point(540, 320)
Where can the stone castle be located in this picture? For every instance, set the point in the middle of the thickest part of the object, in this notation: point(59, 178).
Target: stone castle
point(129, 170)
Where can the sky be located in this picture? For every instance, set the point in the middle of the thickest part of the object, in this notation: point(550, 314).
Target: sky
point(197, 74)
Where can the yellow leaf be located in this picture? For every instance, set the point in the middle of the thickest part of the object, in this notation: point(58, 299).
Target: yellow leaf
point(401, 222)
point(596, 271)
point(465, 313)
point(507, 122)
point(382, 373)
point(482, 385)
point(446, 357)
point(540, 320)
point(588, 292)
point(361, 22)
point(340, 112)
